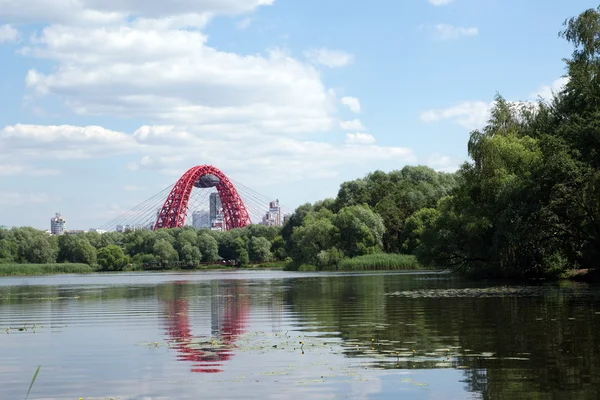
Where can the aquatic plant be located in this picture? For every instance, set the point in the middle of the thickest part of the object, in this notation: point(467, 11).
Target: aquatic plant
point(37, 371)
point(380, 261)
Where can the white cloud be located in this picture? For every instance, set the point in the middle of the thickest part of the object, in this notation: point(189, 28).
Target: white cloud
point(172, 149)
point(329, 58)
point(359, 138)
point(63, 142)
point(450, 32)
point(443, 163)
point(469, 114)
point(150, 60)
point(103, 12)
point(440, 2)
point(546, 92)
point(472, 114)
point(19, 198)
point(352, 125)
point(29, 170)
point(352, 103)
point(133, 188)
point(244, 23)
point(475, 114)
point(8, 34)
point(171, 75)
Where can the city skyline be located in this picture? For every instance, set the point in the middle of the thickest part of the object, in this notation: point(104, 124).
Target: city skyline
point(210, 217)
point(104, 106)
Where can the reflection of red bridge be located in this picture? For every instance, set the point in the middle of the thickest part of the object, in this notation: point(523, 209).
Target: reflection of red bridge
point(228, 320)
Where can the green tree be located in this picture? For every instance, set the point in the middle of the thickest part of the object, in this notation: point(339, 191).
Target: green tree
point(414, 227)
point(208, 246)
point(361, 230)
point(8, 251)
point(259, 249)
point(164, 251)
point(112, 258)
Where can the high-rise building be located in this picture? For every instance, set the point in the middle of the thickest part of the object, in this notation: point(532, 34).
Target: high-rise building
point(57, 225)
point(201, 219)
point(273, 216)
point(215, 208)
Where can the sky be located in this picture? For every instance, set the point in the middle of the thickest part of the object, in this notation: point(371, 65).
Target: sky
point(106, 102)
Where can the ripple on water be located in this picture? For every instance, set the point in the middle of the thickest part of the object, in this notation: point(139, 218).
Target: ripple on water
point(240, 335)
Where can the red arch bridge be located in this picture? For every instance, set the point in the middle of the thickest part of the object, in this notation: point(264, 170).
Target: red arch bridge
point(209, 196)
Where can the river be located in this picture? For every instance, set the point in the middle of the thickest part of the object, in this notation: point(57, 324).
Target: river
point(280, 335)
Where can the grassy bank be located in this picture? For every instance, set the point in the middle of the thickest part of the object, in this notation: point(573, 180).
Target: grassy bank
point(43, 269)
point(369, 262)
point(381, 261)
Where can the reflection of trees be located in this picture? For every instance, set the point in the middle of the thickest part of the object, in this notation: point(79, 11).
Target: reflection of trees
point(541, 345)
point(229, 311)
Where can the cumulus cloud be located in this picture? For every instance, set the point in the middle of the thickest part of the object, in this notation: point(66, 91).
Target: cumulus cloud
point(133, 188)
point(169, 150)
point(8, 34)
point(352, 103)
point(546, 92)
point(359, 138)
point(26, 170)
point(257, 114)
point(19, 198)
point(469, 114)
point(244, 23)
point(352, 125)
point(442, 163)
point(329, 58)
point(63, 142)
point(173, 76)
point(450, 32)
point(102, 12)
point(475, 114)
point(440, 2)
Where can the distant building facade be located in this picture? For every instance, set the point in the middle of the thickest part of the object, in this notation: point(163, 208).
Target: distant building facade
point(57, 225)
point(201, 219)
point(273, 216)
point(131, 228)
point(217, 219)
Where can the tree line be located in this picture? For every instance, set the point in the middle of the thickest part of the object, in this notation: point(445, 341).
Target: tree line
point(526, 204)
point(367, 217)
point(185, 247)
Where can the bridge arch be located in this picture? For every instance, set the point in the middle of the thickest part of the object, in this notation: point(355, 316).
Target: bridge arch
point(175, 207)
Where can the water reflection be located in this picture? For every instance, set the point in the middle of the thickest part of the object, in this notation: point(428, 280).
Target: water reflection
point(228, 316)
point(369, 335)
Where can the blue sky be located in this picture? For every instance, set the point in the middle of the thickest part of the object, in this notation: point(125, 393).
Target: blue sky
point(106, 102)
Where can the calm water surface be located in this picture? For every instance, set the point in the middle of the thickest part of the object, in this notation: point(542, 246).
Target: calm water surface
point(277, 335)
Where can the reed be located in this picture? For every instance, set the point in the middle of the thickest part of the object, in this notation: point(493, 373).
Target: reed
point(43, 269)
point(380, 261)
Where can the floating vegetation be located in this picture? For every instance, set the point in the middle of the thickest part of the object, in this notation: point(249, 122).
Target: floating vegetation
point(498, 291)
point(27, 327)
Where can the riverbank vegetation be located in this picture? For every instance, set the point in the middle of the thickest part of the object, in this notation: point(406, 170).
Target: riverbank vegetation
point(43, 269)
point(526, 205)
